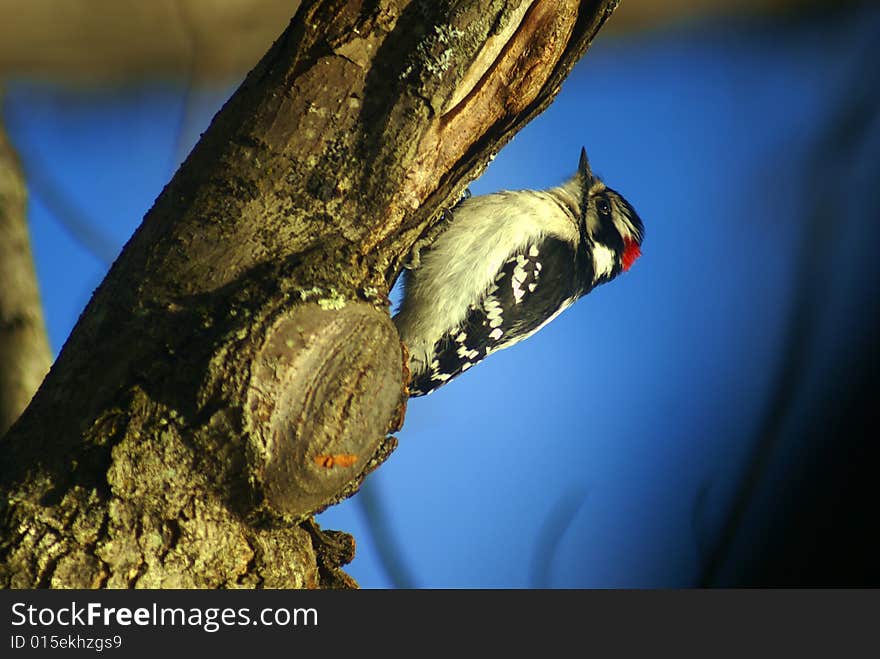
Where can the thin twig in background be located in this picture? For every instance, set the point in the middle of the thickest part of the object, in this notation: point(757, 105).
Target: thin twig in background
point(76, 223)
point(81, 228)
point(698, 514)
point(553, 529)
point(184, 118)
point(370, 501)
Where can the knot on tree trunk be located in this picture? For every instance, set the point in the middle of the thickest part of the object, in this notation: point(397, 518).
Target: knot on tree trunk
point(322, 382)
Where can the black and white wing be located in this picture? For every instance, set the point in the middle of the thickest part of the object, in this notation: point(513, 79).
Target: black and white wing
point(534, 286)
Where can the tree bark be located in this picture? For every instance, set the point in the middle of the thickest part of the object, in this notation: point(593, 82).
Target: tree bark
point(24, 347)
point(238, 370)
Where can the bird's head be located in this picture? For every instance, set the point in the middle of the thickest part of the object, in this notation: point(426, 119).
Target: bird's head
point(613, 229)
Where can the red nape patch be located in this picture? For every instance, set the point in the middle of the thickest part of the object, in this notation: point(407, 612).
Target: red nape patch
point(631, 251)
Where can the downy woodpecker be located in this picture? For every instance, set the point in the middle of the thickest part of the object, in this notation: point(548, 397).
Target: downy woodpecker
point(507, 264)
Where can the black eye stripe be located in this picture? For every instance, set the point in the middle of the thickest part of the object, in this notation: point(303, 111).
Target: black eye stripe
point(606, 232)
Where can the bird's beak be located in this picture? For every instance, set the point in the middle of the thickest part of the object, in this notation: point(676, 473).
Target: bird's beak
point(584, 167)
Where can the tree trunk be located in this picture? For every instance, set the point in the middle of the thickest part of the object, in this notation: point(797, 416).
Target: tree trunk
point(238, 370)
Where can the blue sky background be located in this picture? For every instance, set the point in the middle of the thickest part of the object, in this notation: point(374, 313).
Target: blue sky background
point(605, 451)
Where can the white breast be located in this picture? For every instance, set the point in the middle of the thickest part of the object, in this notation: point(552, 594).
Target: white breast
point(461, 265)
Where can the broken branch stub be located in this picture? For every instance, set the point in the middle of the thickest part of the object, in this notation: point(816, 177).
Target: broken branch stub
point(323, 380)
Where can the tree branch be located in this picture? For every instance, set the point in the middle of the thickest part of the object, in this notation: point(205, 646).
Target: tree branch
point(238, 370)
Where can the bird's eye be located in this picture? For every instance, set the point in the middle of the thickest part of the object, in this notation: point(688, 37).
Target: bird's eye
point(603, 207)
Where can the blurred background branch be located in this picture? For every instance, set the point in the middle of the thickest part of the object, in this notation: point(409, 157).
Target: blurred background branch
point(112, 41)
point(24, 347)
point(834, 158)
point(84, 230)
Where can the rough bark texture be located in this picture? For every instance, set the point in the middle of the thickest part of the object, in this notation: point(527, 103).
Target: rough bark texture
point(237, 370)
point(24, 348)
